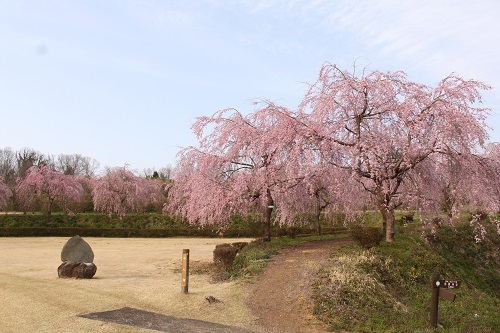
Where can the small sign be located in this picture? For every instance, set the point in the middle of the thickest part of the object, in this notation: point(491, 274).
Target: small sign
point(439, 290)
point(450, 284)
point(443, 293)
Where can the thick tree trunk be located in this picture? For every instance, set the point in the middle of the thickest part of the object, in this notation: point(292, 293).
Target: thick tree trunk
point(388, 222)
point(318, 222)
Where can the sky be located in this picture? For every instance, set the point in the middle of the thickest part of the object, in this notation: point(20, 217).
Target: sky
point(122, 81)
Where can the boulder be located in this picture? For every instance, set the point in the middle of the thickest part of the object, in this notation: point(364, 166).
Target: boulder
point(77, 250)
point(78, 270)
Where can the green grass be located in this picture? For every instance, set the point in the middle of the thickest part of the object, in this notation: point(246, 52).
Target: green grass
point(387, 288)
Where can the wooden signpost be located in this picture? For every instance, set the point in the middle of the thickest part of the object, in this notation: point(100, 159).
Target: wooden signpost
point(438, 291)
point(185, 271)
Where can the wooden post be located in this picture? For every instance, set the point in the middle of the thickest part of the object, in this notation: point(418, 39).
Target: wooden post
point(435, 299)
point(185, 271)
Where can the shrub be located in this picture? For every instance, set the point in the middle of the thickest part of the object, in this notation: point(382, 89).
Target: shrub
point(437, 222)
point(480, 215)
point(407, 218)
point(292, 232)
point(367, 237)
point(239, 245)
point(224, 255)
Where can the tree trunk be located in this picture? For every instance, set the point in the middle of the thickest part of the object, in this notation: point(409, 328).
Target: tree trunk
point(448, 202)
point(267, 225)
point(318, 222)
point(49, 208)
point(267, 217)
point(388, 222)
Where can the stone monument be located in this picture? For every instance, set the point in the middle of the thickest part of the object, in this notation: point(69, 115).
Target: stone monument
point(78, 260)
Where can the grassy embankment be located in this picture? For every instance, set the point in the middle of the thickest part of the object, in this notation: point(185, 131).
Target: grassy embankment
point(387, 288)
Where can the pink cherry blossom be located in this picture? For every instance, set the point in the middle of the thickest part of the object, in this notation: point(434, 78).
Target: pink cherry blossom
point(240, 166)
point(120, 191)
point(390, 132)
point(356, 141)
point(51, 187)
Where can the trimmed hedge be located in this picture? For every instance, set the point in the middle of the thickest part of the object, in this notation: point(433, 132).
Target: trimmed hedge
point(90, 220)
point(146, 233)
point(135, 225)
point(101, 232)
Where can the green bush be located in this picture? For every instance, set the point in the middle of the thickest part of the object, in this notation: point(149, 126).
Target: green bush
point(367, 237)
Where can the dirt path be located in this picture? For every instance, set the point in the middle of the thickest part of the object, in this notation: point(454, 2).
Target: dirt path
point(280, 296)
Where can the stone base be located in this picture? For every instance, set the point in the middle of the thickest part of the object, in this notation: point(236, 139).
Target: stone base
point(78, 270)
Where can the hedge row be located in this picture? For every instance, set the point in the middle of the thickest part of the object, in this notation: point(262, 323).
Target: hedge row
point(90, 220)
point(155, 233)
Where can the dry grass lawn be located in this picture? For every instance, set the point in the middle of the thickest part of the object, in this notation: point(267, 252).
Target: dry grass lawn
point(138, 273)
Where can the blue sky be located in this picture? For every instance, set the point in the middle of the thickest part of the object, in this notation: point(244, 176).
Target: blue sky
point(122, 81)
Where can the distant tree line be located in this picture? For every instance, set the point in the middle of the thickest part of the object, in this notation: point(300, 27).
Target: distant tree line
point(32, 181)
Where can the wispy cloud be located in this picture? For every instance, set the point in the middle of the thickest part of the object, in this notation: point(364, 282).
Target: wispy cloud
point(460, 32)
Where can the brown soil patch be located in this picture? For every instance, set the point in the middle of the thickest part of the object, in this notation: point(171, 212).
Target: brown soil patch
point(280, 296)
